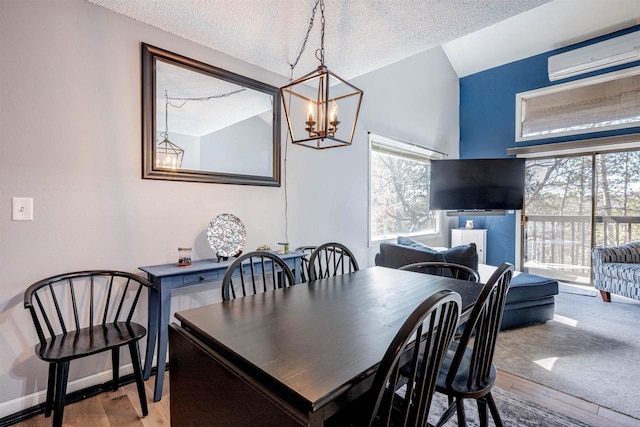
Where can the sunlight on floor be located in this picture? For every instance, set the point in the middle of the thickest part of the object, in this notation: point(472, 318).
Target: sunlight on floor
point(565, 320)
point(547, 363)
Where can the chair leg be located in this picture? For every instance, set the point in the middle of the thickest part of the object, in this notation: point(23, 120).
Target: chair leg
point(494, 410)
point(62, 375)
point(462, 419)
point(448, 413)
point(606, 296)
point(115, 365)
point(137, 372)
point(51, 387)
point(482, 412)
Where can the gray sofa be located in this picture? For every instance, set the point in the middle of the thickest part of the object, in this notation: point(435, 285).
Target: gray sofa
point(617, 270)
point(530, 298)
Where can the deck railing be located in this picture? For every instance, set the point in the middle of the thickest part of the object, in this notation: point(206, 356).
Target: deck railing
point(561, 245)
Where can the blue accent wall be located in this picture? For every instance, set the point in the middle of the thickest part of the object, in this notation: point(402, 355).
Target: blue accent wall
point(487, 127)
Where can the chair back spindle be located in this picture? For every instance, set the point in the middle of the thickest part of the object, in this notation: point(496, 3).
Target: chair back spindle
point(304, 261)
point(331, 259)
point(242, 279)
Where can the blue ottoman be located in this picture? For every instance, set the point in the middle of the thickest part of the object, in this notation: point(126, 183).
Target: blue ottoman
point(530, 300)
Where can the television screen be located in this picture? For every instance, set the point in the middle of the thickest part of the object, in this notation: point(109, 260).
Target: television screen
point(477, 184)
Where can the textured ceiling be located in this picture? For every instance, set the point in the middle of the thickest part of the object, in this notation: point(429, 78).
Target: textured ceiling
point(360, 35)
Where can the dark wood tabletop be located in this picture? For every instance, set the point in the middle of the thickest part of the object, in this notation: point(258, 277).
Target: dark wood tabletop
point(312, 342)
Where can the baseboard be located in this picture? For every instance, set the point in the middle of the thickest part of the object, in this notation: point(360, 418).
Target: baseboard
point(24, 407)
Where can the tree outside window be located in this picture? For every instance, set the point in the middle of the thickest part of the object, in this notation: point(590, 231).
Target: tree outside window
point(399, 194)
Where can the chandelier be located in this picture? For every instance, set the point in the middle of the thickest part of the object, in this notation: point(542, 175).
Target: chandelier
point(321, 108)
point(168, 154)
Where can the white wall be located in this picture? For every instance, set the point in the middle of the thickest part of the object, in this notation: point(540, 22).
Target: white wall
point(70, 138)
point(243, 148)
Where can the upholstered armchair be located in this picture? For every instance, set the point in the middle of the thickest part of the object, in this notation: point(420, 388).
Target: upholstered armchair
point(617, 270)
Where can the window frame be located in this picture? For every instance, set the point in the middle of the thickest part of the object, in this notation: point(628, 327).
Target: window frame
point(411, 149)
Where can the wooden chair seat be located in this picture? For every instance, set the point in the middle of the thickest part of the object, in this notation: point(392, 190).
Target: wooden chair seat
point(87, 341)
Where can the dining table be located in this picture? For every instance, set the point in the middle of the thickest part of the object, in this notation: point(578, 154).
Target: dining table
point(293, 356)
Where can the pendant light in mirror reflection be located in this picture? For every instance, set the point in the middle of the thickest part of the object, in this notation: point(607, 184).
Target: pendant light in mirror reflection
point(168, 154)
point(321, 108)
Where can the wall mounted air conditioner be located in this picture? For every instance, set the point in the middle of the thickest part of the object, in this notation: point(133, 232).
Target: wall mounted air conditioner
point(615, 51)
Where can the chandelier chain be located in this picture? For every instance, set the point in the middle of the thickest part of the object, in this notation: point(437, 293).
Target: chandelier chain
point(166, 115)
point(321, 51)
point(185, 100)
point(306, 37)
point(201, 98)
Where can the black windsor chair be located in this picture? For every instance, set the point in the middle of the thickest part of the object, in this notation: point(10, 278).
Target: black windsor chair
point(446, 269)
point(304, 262)
point(469, 373)
point(83, 313)
point(255, 272)
point(395, 400)
point(434, 321)
point(331, 259)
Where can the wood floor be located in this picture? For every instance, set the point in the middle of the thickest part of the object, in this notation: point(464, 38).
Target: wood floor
point(579, 409)
point(122, 408)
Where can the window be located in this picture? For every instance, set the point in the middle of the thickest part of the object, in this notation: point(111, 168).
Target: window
point(399, 190)
point(604, 102)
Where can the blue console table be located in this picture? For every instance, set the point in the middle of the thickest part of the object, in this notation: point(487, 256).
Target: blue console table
point(165, 278)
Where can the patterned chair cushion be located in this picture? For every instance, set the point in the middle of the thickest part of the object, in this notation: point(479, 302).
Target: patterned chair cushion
point(623, 271)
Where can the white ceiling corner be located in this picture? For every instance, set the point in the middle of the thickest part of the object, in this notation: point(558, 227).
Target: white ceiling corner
point(551, 26)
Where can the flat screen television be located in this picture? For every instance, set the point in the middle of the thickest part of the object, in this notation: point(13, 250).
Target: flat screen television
point(477, 184)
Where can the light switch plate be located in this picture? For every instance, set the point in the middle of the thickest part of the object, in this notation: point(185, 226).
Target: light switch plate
point(22, 209)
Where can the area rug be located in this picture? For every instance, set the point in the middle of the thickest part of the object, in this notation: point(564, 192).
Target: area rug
point(514, 412)
point(590, 350)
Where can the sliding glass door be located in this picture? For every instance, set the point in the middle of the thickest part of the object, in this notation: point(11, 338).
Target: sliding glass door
point(558, 215)
point(617, 207)
point(562, 219)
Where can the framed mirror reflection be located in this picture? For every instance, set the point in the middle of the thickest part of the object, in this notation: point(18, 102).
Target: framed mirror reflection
point(205, 124)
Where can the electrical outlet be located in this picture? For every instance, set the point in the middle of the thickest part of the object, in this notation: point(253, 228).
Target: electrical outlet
point(22, 209)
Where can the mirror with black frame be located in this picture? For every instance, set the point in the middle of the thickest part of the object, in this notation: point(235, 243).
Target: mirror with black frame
point(205, 124)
